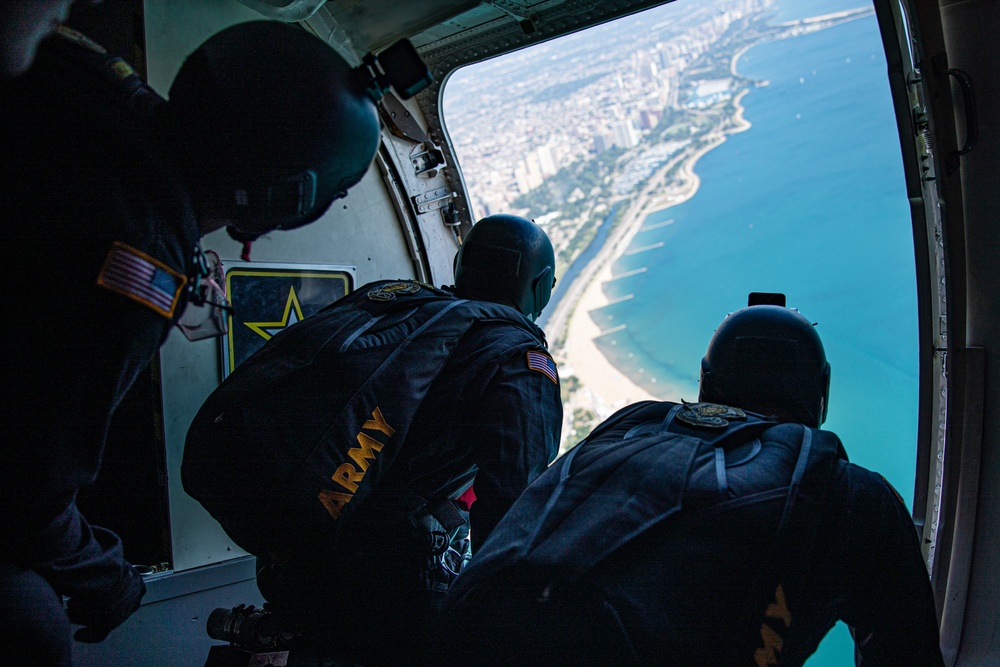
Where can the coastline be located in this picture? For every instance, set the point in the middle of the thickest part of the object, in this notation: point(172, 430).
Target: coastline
point(603, 387)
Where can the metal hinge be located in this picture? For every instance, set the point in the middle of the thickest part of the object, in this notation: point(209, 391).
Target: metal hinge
point(432, 200)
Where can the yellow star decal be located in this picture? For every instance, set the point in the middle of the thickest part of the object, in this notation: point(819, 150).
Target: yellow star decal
point(292, 314)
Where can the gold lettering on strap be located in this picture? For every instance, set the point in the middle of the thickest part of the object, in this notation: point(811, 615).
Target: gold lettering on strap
point(773, 643)
point(334, 502)
point(365, 451)
point(348, 477)
point(779, 609)
point(378, 423)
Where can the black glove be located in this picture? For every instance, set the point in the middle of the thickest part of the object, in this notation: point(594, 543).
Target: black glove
point(100, 614)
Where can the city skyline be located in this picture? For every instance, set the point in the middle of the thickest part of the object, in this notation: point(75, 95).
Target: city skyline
point(597, 89)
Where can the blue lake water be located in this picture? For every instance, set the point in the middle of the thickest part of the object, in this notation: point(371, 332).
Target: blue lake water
point(811, 202)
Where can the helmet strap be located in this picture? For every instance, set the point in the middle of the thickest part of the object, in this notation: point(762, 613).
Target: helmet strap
point(243, 238)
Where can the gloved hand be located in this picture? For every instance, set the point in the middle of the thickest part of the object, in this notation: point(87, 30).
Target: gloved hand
point(100, 614)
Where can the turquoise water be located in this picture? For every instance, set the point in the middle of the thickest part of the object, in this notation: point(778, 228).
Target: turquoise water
point(810, 202)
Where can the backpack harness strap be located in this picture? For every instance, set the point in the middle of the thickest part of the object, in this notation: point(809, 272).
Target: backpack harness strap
point(776, 595)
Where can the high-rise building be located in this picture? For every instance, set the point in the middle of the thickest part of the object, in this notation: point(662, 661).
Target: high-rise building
point(534, 169)
point(546, 161)
point(647, 72)
point(624, 134)
point(521, 179)
point(648, 118)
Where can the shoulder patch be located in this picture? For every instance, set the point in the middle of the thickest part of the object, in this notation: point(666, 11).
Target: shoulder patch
point(79, 39)
point(142, 278)
point(390, 291)
point(709, 415)
point(540, 361)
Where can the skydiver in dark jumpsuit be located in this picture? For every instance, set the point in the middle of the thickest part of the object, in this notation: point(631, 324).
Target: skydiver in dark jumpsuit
point(728, 532)
point(106, 190)
point(473, 395)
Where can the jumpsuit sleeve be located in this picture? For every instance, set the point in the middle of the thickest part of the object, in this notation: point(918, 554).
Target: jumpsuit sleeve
point(77, 176)
point(892, 615)
point(77, 559)
point(517, 435)
point(56, 432)
point(67, 398)
point(71, 378)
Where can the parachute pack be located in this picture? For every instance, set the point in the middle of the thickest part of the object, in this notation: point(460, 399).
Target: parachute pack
point(286, 449)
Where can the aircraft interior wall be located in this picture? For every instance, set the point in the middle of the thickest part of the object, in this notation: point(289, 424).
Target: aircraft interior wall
point(970, 612)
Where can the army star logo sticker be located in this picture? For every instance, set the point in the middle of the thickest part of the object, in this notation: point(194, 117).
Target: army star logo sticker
point(292, 314)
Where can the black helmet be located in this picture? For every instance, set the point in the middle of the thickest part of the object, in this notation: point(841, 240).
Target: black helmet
point(275, 122)
point(768, 359)
point(509, 260)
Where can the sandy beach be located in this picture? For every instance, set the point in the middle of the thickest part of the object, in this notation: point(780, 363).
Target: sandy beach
point(604, 388)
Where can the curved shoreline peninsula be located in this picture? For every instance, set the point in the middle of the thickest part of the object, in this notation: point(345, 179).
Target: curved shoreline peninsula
point(603, 387)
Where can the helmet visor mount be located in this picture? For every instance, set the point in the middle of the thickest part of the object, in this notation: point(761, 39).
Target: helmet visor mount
point(543, 286)
point(278, 204)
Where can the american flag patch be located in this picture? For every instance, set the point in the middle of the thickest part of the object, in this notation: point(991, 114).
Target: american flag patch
point(541, 362)
point(142, 278)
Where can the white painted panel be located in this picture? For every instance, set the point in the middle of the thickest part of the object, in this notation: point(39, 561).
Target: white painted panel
point(360, 230)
